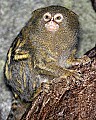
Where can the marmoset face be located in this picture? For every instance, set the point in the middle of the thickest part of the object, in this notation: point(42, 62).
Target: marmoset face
point(55, 27)
point(54, 19)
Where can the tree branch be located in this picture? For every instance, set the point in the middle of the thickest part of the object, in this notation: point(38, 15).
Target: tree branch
point(68, 99)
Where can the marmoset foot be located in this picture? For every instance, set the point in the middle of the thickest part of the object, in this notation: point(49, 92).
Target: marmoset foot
point(73, 73)
point(79, 61)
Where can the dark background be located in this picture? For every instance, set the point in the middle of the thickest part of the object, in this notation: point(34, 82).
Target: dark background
point(15, 13)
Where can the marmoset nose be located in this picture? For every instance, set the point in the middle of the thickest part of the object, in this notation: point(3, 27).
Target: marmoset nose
point(52, 26)
point(52, 19)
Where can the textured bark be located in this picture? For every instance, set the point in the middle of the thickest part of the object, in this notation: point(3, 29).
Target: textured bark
point(68, 99)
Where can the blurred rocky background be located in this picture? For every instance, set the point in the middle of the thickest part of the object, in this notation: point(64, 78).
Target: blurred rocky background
point(15, 13)
point(94, 4)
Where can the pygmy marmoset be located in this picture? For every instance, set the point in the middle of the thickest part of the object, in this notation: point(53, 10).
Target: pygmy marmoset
point(42, 50)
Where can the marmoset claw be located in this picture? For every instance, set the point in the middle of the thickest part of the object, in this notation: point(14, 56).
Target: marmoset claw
point(72, 73)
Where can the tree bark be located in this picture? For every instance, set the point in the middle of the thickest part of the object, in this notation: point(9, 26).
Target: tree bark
point(68, 99)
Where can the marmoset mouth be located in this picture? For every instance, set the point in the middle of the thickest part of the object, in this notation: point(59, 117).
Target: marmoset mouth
point(52, 26)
